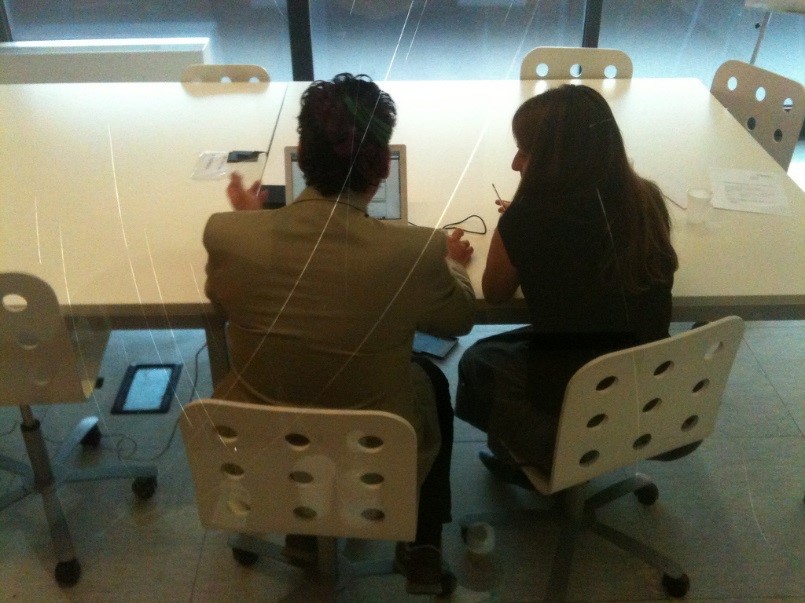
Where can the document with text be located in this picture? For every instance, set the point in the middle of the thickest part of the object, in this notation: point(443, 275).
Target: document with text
point(748, 190)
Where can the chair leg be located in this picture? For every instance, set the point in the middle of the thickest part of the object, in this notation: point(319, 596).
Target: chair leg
point(617, 490)
point(77, 435)
point(110, 471)
point(637, 548)
point(60, 534)
point(572, 526)
point(87, 429)
point(332, 573)
point(67, 569)
point(257, 546)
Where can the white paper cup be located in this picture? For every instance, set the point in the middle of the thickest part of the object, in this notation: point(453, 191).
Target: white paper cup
point(699, 205)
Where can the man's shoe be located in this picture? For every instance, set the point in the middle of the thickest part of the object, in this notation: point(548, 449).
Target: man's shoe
point(424, 570)
point(301, 550)
point(505, 472)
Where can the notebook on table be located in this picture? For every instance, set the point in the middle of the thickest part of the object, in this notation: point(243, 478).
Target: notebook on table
point(390, 203)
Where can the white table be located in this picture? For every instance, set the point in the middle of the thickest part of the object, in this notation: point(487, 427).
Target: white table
point(459, 143)
point(96, 195)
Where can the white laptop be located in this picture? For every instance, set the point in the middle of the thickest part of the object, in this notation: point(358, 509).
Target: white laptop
point(390, 203)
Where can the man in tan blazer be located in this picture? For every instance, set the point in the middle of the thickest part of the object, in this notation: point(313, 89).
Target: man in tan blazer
point(323, 301)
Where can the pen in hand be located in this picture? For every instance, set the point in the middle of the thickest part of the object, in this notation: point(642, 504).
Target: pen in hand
point(503, 204)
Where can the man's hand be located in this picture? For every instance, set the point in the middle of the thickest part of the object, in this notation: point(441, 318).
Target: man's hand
point(459, 249)
point(242, 198)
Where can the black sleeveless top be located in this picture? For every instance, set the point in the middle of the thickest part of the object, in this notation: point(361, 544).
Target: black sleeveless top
point(559, 249)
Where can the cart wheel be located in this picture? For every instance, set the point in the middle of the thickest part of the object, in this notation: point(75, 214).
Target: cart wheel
point(144, 487)
point(68, 572)
point(92, 439)
point(244, 557)
point(676, 587)
point(647, 495)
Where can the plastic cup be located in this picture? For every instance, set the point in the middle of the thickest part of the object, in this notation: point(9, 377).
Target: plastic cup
point(699, 205)
point(480, 538)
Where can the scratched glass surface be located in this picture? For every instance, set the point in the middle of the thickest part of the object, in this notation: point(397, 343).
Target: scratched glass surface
point(388, 40)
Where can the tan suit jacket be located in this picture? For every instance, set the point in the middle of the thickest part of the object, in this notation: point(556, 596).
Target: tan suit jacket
point(323, 302)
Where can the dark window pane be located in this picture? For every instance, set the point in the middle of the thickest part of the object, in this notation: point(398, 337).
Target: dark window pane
point(691, 38)
point(240, 31)
point(455, 39)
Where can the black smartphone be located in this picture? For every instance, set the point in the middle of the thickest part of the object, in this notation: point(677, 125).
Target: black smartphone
point(241, 156)
point(276, 196)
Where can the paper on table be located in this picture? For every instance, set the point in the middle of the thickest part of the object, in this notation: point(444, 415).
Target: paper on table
point(211, 165)
point(748, 190)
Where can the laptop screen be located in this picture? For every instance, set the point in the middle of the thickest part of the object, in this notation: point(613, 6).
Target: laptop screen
point(390, 201)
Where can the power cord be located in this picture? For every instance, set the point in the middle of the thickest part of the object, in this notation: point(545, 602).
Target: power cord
point(454, 225)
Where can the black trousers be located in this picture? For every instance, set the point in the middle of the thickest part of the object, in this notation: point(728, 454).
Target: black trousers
point(434, 494)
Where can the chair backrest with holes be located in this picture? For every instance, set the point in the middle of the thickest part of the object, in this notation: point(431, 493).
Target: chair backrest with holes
point(640, 402)
point(223, 73)
point(770, 106)
point(564, 63)
point(37, 359)
point(264, 468)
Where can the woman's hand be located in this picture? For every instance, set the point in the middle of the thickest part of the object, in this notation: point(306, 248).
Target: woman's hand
point(459, 249)
point(502, 205)
point(241, 198)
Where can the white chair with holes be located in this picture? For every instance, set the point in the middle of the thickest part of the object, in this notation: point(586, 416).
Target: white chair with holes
point(771, 107)
point(260, 469)
point(656, 401)
point(224, 73)
point(564, 63)
point(38, 366)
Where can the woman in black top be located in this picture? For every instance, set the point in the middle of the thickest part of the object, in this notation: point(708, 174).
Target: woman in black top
point(588, 241)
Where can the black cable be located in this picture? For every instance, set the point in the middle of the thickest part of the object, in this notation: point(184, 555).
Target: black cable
point(453, 225)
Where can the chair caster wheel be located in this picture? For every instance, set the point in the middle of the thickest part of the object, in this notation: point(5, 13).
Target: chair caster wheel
point(647, 495)
point(144, 487)
point(244, 557)
point(676, 587)
point(92, 439)
point(68, 572)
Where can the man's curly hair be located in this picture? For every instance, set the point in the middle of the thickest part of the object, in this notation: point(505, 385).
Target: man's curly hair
point(344, 130)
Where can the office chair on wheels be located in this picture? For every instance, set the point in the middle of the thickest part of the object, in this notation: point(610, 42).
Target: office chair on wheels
point(655, 401)
point(38, 366)
point(330, 473)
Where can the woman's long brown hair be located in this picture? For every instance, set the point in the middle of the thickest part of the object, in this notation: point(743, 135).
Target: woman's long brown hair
point(576, 151)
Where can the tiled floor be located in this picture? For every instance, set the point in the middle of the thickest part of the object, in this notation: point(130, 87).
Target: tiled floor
point(732, 513)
